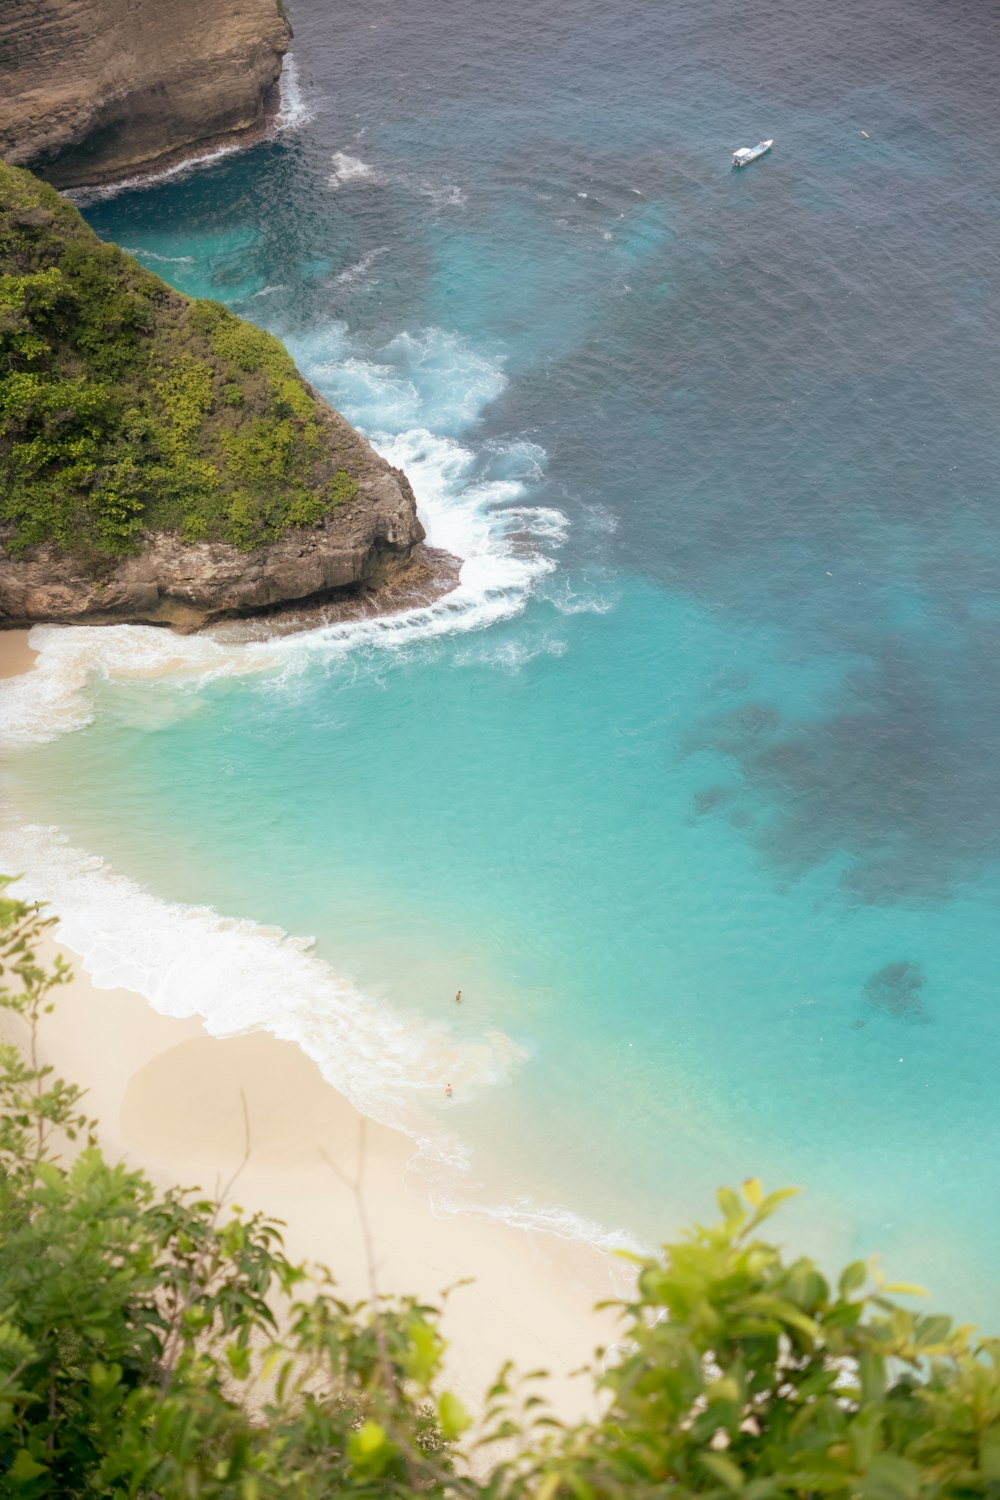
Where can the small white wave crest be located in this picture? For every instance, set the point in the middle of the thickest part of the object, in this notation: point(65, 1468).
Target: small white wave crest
point(350, 169)
point(240, 976)
point(442, 195)
point(359, 270)
point(164, 260)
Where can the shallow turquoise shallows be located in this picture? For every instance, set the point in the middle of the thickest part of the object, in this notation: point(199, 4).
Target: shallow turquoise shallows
point(693, 789)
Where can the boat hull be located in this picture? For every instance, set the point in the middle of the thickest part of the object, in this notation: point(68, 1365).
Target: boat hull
point(746, 154)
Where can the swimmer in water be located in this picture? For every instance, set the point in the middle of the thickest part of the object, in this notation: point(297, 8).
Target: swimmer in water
point(458, 997)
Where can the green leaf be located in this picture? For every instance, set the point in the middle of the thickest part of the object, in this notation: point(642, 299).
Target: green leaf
point(729, 1205)
point(773, 1201)
point(369, 1449)
point(989, 1454)
point(753, 1192)
point(730, 1474)
point(853, 1277)
point(932, 1331)
point(871, 1369)
point(25, 1468)
point(891, 1478)
point(238, 1360)
point(452, 1416)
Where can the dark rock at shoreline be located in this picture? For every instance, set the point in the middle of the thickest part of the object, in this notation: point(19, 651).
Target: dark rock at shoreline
point(91, 90)
point(362, 546)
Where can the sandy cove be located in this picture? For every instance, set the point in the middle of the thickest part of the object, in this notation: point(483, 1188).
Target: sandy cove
point(167, 1096)
point(16, 656)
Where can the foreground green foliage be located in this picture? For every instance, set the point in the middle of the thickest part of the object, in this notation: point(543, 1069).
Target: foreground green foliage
point(162, 1347)
point(125, 406)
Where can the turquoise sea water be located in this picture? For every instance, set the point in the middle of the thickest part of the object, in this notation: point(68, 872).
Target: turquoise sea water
point(693, 788)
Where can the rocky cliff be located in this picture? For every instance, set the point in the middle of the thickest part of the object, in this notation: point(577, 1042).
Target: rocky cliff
point(160, 459)
point(363, 545)
point(93, 89)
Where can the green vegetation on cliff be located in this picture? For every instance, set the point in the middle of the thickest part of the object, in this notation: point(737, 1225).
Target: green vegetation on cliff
point(126, 406)
point(160, 1346)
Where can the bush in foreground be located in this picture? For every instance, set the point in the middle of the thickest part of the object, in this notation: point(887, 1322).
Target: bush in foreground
point(162, 1347)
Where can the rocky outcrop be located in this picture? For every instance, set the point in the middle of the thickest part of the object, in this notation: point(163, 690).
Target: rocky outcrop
point(364, 544)
point(93, 89)
point(162, 461)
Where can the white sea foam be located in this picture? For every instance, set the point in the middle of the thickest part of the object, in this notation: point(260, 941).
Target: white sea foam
point(165, 260)
point(293, 110)
point(350, 169)
point(198, 162)
point(570, 601)
point(241, 976)
point(510, 656)
point(430, 379)
point(525, 1213)
point(52, 699)
point(443, 195)
point(359, 270)
point(600, 519)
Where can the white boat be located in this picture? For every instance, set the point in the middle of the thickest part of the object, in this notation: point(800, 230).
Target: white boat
point(746, 154)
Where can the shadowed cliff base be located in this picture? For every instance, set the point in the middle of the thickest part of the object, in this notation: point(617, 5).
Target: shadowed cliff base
point(91, 90)
point(429, 575)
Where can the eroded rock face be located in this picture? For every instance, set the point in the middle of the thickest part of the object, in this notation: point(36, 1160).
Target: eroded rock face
point(91, 89)
point(363, 544)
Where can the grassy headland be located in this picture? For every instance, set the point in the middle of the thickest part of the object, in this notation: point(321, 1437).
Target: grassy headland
point(127, 407)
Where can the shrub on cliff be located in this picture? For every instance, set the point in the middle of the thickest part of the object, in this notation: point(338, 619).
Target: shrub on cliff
point(158, 1347)
point(125, 406)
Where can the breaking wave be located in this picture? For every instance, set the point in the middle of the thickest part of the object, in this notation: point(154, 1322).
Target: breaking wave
point(348, 169)
point(241, 976)
point(197, 162)
point(293, 110)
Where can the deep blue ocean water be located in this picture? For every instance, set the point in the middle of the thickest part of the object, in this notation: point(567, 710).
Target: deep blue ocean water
point(695, 791)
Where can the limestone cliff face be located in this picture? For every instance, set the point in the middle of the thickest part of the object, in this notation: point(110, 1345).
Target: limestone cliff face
point(362, 544)
point(91, 89)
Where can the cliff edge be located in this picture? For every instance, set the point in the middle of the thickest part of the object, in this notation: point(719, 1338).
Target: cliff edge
point(93, 89)
point(160, 459)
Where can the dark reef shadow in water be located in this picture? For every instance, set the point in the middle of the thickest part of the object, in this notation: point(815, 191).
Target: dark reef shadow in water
point(896, 991)
point(901, 777)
